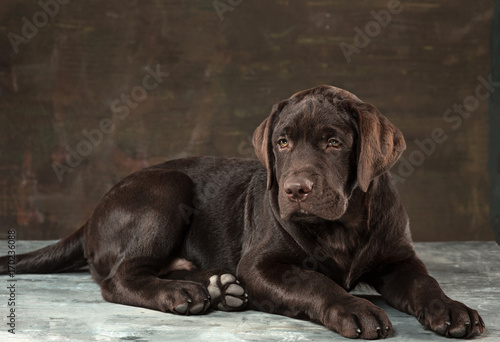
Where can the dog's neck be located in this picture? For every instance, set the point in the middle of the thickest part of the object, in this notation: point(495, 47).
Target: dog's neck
point(357, 215)
point(322, 240)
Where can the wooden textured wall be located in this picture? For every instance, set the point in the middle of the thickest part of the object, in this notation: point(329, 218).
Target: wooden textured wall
point(93, 90)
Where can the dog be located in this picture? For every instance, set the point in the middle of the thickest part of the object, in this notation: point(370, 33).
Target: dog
point(290, 233)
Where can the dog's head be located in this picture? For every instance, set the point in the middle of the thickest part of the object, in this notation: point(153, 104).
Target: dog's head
point(319, 145)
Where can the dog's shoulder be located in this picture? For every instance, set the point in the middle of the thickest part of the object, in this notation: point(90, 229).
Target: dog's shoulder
point(211, 164)
point(220, 172)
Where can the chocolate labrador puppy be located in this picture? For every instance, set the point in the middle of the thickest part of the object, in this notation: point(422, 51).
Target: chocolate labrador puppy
point(291, 235)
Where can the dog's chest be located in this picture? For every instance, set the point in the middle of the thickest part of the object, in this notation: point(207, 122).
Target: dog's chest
point(346, 257)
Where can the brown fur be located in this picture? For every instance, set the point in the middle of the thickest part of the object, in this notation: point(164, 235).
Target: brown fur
point(321, 216)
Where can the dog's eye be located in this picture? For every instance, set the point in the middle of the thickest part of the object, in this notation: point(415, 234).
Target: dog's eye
point(283, 143)
point(332, 142)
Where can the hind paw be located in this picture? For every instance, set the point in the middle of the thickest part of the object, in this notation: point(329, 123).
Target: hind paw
point(226, 292)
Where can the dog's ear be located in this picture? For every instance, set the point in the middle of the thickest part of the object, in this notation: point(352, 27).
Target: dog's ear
point(380, 143)
point(262, 142)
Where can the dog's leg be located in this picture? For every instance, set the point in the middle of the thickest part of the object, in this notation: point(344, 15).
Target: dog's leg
point(136, 231)
point(295, 292)
point(408, 287)
point(135, 283)
point(226, 292)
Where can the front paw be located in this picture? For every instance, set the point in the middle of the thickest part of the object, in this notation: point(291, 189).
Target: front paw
point(358, 318)
point(451, 318)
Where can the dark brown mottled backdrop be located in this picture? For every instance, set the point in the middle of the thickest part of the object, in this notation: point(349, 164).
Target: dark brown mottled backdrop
point(79, 111)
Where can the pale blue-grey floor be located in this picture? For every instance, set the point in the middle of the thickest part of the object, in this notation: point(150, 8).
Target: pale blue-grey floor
point(69, 307)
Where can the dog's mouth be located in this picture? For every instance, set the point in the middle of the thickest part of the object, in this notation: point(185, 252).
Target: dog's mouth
point(303, 212)
point(314, 211)
point(295, 212)
point(303, 215)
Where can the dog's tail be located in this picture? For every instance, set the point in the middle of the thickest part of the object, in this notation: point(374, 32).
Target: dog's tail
point(66, 255)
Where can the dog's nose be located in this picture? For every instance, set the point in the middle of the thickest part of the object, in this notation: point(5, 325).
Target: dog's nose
point(297, 189)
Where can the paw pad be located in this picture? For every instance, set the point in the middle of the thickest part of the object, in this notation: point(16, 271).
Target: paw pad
point(226, 292)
